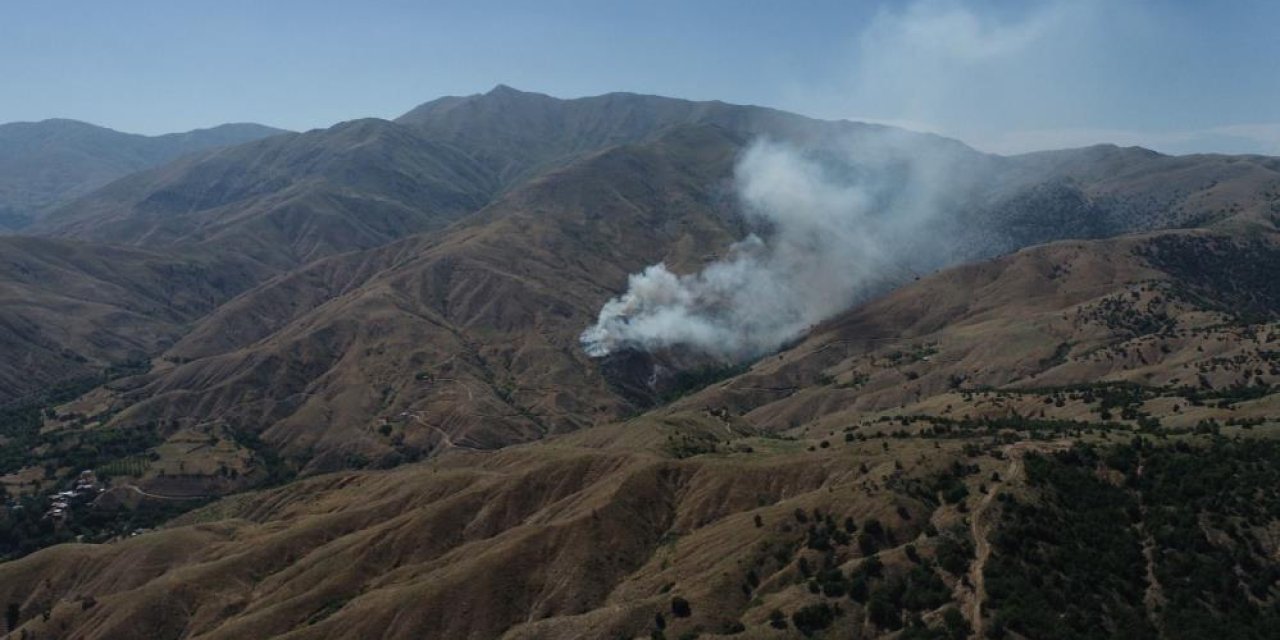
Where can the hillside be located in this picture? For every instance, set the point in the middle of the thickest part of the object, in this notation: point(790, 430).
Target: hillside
point(466, 337)
point(44, 164)
point(296, 198)
point(935, 463)
point(69, 310)
point(287, 200)
point(1161, 324)
point(284, 202)
point(331, 384)
point(519, 134)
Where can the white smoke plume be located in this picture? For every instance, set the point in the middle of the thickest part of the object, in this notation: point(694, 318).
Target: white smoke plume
point(834, 225)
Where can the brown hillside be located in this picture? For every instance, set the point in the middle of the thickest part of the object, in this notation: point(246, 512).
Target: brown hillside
point(543, 541)
point(286, 200)
point(1183, 314)
point(467, 338)
point(597, 532)
point(69, 310)
point(463, 339)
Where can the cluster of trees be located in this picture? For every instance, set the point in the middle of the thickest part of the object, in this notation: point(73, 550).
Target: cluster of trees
point(20, 423)
point(1122, 314)
point(1210, 511)
point(893, 598)
point(20, 429)
point(684, 383)
point(24, 526)
point(1071, 563)
point(25, 529)
point(1068, 565)
point(1236, 278)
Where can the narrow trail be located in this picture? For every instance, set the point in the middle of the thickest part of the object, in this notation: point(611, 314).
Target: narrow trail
point(981, 523)
point(445, 439)
point(979, 530)
point(138, 490)
point(1153, 599)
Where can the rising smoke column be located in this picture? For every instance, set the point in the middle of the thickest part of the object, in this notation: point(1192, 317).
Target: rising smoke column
point(834, 225)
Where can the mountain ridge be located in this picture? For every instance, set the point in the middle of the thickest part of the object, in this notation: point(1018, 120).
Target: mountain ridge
point(43, 164)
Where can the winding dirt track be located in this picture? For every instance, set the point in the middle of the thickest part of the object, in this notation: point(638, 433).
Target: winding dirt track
point(981, 523)
point(138, 490)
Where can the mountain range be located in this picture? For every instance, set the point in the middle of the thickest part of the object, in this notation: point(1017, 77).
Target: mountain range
point(48, 163)
point(339, 374)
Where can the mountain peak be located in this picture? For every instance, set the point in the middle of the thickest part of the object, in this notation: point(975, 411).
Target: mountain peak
point(508, 93)
point(502, 89)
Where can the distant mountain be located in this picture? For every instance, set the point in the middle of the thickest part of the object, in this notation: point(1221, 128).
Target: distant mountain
point(289, 199)
point(43, 164)
point(519, 133)
point(285, 201)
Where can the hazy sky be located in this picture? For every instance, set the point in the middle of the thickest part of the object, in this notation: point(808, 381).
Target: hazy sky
point(1004, 76)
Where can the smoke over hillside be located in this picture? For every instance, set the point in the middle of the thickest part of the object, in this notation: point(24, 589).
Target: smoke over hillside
point(832, 226)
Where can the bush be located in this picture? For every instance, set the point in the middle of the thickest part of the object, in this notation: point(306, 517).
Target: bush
point(883, 612)
point(680, 607)
point(814, 617)
point(956, 626)
point(777, 619)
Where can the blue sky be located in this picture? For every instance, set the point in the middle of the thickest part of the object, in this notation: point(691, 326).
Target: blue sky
point(1002, 75)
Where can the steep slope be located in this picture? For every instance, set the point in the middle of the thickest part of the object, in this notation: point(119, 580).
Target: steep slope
point(467, 338)
point(519, 134)
point(287, 200)
point(1172, 318)
point(293, 199)
point(1112, 190)
point(516, 132)
point(740, 511)
point(68, 310)
point(586, 537)
point(44, 164)
point(1094, 191)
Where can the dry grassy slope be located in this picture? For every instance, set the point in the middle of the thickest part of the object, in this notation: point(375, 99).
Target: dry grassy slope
point(585, 536)
point(590, 534)
point(446, 340)
point(467, 338)
point(287, 200)
point(1056, 315)
point(68, 309)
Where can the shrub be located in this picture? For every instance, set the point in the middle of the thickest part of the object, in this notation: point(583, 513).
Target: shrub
point(777, 619)
point(680, 607)
point(814, 617)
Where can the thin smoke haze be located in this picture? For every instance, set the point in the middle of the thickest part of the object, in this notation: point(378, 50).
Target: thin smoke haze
point(833, 226)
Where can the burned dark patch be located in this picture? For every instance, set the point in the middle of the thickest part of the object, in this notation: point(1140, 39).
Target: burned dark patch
point(649, 379)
